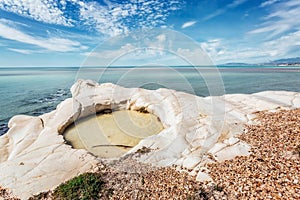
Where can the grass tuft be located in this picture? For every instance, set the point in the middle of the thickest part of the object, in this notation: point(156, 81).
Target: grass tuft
point(84, 187)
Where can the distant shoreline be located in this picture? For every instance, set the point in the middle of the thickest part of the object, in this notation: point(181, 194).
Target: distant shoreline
point(149, 67)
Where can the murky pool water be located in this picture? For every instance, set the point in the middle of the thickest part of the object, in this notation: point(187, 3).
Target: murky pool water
point(112, 135)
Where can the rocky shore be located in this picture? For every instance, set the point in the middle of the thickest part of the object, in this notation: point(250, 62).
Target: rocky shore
point(270, 172)
point(201, 137)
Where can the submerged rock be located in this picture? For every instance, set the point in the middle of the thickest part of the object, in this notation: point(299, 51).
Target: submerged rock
point(34, 156)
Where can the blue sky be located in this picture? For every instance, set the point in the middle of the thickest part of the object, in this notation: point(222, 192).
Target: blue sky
point(64, 32)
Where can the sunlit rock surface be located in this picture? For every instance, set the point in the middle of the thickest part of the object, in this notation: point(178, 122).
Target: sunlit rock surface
point(34, 156)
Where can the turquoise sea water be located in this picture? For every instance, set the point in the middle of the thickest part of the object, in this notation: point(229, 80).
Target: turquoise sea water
point(33, 91)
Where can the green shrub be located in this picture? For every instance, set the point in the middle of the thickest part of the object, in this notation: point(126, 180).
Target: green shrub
point(84, 187)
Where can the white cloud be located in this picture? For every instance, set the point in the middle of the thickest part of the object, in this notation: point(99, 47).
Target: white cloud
point(161, 37)
point(281, 30)
point(157, 43)
point(104, 20)
point(268, 3)
point(284, 46)
point(223, 52)
point(51, 43)
point(12, 23)
point(22, 51)
point(213, 47)
point(112, 54)
point(118, 18)
point(131, 55)
point(108, 18)
point(188, 24)
point(128, 52)
point(282, 18)
point(63, 4)
point(196, 56)
point(47, 11)
point(218, 12)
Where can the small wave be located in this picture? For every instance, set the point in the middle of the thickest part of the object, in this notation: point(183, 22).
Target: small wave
point(59, 95)
point(41, 110)
point(37, 105)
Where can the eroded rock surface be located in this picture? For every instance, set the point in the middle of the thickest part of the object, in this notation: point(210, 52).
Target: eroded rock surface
point(197, 131)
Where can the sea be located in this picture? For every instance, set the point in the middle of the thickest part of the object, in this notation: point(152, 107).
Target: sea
point(37, 90)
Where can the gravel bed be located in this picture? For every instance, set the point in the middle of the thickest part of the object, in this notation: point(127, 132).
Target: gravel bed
point(272, 171)
point(129, 179)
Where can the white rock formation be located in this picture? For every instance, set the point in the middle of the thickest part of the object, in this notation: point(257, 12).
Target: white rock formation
point(35, 158)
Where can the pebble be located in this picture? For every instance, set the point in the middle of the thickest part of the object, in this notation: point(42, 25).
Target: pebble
point(272, 169)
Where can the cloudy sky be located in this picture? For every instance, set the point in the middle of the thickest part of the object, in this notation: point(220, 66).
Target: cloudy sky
point(64, 32)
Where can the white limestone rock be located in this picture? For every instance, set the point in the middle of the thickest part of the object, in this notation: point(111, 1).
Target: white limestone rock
point(203, 177)
point(35, 158)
